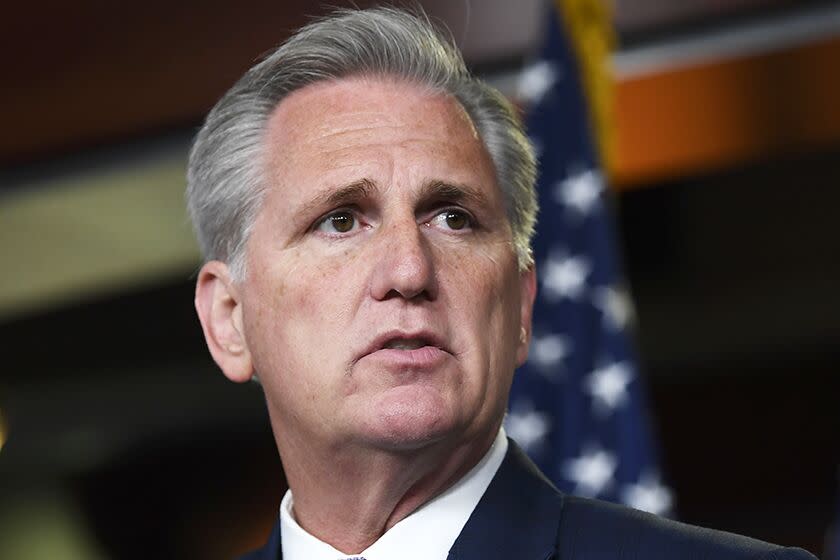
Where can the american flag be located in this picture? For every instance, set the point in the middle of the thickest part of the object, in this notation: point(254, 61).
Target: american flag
point(578, 406)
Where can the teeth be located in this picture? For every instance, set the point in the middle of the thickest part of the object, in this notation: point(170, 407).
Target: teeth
point(405, 344)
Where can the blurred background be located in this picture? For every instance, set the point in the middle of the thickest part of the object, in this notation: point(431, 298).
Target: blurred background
point(118, 437)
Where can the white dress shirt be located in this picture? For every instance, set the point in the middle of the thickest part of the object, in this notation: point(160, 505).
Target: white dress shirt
point(426, 534)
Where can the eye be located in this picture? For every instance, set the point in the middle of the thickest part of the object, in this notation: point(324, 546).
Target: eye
point(453, 219)
point(341, 221)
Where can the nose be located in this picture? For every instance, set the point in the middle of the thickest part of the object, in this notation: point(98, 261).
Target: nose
point(404, 264)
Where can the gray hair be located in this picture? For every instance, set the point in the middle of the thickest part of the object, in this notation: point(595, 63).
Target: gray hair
point(225, 177)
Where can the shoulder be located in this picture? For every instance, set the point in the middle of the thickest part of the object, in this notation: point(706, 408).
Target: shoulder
point(271, 550)
point(578, 528)
point(595, 529)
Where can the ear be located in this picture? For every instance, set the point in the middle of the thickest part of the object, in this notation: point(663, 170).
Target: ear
point(528, 292)
point(220, 312)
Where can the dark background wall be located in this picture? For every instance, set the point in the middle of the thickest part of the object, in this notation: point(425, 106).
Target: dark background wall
point(124, 441)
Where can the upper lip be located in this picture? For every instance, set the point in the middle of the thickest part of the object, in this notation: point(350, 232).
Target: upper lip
point(379, 342)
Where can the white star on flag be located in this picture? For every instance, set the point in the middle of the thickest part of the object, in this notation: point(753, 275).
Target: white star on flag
point(548, 351)
point(616, 306)
point(527, 426)
point(648, 495)
point(565, 277)
point(535, 81)
point(608, 386)
point(592, 472)
point(580, 191)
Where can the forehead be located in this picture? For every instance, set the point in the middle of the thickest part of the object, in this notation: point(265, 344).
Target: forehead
point(340, 105)
point(343, 125)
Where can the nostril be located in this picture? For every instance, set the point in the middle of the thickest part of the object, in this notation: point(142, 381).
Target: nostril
point(408, 294)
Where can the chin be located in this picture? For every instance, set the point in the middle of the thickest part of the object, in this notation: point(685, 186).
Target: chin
point(409, 418)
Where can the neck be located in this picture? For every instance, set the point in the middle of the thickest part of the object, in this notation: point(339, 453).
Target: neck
point(349, 497)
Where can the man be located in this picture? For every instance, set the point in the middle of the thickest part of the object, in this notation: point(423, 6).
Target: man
point(366, 209)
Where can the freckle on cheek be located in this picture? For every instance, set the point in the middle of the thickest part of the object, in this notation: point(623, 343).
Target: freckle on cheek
point(349, 257)
point(277, 290)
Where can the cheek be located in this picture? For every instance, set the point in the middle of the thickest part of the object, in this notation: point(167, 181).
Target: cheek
point(297, 304)
point(485, 294)
point(300, 284)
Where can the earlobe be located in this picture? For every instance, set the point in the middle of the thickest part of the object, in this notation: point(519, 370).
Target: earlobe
point(528, 287)
point(220, 312)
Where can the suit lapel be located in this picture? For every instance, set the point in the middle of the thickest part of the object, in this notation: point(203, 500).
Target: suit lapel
point(518, 516)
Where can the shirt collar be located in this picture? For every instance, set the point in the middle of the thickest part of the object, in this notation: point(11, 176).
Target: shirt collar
point(427, 534)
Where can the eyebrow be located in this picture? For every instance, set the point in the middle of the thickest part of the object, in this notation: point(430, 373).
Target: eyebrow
point(433, 192)
point(441, 190)
point(342, 196)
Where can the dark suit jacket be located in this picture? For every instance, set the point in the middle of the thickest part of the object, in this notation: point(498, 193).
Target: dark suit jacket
point(522, 516)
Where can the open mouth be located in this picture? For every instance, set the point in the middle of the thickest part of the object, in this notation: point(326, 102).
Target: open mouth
point(419, 348)
point(406, 344)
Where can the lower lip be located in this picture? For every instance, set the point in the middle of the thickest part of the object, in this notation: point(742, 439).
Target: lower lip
point(419, 358)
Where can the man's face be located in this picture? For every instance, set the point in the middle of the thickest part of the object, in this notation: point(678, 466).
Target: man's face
point(382, 305)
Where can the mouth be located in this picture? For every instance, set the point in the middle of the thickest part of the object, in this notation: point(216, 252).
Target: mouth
point(402, 340)
point(406, 344)
point(415, 348)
